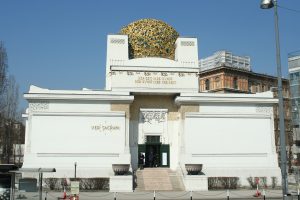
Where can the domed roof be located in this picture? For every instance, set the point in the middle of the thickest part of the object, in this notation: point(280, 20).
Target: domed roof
point(150, 38)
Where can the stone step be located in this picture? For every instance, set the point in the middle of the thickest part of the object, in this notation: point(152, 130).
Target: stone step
point(159, 179)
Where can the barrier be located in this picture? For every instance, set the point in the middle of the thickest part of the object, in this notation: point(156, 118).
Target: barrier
point(165, 195)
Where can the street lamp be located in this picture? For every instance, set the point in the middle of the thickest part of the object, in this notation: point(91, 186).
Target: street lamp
point(75, 165)
point(267, 4)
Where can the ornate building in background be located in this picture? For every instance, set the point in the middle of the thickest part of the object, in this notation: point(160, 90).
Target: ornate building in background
point(227, 73)
point(294, 72)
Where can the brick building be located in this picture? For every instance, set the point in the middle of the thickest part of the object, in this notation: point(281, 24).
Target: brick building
point(227, 73)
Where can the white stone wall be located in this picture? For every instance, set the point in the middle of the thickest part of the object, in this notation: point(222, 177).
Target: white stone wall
point(231, 140)
point(62, 129)
point(174, 142)
point(231, 137)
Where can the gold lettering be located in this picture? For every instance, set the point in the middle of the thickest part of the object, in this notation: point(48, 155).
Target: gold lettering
point(105, 128)
point(155, 80)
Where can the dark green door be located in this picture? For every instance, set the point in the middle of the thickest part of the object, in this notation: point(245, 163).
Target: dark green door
point(141, 150)
point(155, 153)
point(165, 155)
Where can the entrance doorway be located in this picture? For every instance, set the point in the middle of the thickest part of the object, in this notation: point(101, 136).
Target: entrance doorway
point(155, 153)
point(152, 157)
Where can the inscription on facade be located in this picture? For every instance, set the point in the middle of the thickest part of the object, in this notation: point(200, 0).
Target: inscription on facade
point(155, 80)
point(105, 128)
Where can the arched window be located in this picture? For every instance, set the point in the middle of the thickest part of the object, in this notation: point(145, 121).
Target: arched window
point(263, 88)
point(235, 83)
point(207, 84)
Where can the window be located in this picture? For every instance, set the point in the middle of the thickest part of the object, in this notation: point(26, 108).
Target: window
point(217, 81)
point(207, 84)
point(235, 83)
point(152, 139)
point(263, 88)
point(249, 87)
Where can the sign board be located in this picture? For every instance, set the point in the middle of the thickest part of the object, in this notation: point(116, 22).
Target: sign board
point(75, 187)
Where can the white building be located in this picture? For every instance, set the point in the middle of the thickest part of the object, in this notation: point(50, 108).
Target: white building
point(223, 57)
point(151, 104)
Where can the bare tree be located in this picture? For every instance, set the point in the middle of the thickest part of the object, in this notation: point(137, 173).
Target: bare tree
point(9, 96)
point(11, 128)
point(10, 99)
point(3, 75)
point(3, 72)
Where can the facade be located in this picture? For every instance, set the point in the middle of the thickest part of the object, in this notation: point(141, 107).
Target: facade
point(237, 77)
point(152, 106)
point(294, 72)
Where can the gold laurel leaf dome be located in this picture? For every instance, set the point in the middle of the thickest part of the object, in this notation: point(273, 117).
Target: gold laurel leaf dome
point(150, 38)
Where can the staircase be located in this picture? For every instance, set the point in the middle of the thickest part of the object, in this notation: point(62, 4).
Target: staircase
point(158, 179)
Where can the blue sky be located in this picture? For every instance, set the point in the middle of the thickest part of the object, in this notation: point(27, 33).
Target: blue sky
point(61, 44)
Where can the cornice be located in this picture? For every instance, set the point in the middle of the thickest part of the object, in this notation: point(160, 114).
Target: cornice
point(155, 69)
point(224, 98)
point(78, 97)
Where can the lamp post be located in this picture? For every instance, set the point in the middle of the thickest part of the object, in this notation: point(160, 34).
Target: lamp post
point(75, 165)
point(267, 4)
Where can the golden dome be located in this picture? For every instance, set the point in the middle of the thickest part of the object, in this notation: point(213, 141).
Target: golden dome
point(150, 38)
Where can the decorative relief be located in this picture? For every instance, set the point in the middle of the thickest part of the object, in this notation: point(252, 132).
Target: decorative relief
point(150, 116)
point(39, 106)
point(154, 75)
point(263, 109)
point(187, 43)
point(130, 73)
point(117, 41)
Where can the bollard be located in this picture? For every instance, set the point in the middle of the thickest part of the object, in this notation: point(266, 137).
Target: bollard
point(264, 194)
point(115, 196)
point(154, 194)
point(191, 195)
point(46, 195)
point(298, 194)
point(227, 194)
